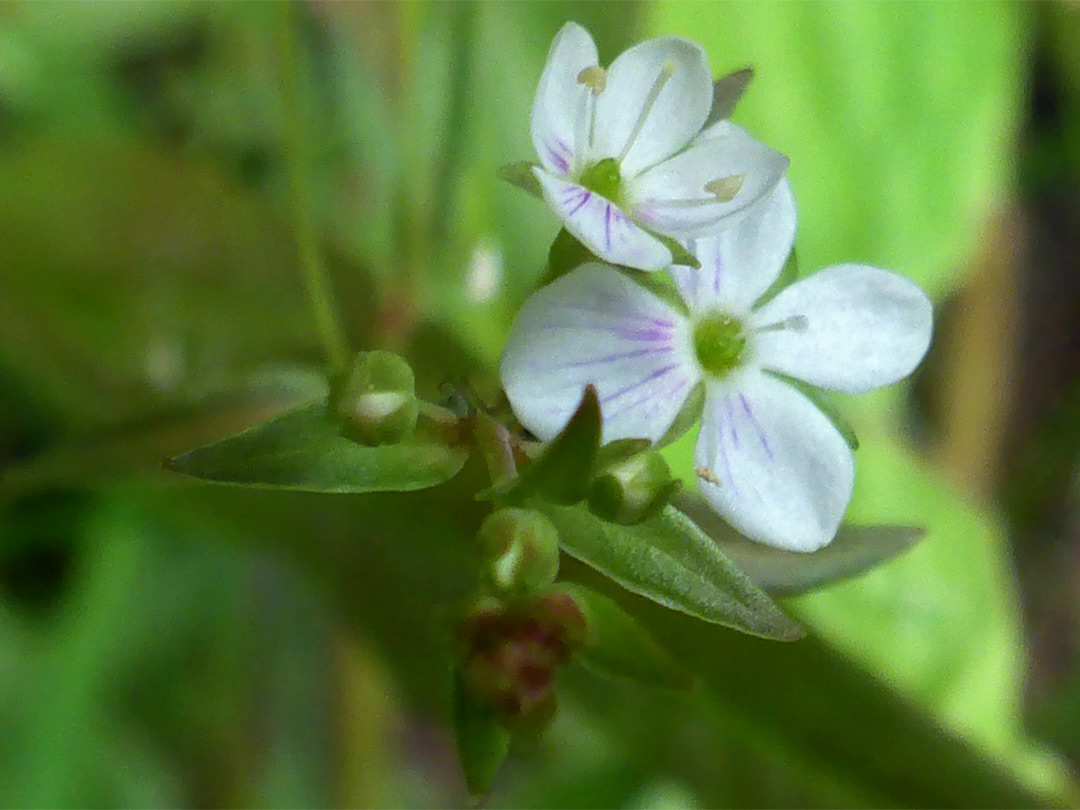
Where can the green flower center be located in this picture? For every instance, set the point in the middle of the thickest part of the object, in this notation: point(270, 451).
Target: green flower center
point(604, 179)
point(719, 341)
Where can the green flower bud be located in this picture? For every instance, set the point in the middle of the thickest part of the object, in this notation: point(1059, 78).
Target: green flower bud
point(521, 547)
point(632, 490)
point(376, 403)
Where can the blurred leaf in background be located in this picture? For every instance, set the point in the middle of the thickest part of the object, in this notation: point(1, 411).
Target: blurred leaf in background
point(165, 643)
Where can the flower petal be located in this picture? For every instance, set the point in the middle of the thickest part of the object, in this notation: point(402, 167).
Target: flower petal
point(863, 328)
point(784, 474)
point(594, 325)
point(670, 198)
point(559, 98)
point(601, 226)
point(676, 114)
point(741, 262)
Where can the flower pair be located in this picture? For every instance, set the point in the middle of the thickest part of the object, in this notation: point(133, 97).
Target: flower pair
point(769, 461)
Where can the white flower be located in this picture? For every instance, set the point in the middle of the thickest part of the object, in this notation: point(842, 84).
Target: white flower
point(622, 151)
point(771, 463)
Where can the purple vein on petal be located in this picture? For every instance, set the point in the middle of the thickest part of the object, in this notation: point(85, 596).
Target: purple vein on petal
point(757, 426)
point(631, 333)
point(608, 304)
point(611, 358)
point(627, 389)
point(731, 421)
point(615, 413)
point(607, 224)
point(723, 456)
point(585, 197)
point(557, 152)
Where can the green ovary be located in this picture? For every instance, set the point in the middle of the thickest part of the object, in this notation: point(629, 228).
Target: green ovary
point(719, 341)
point(604, 178)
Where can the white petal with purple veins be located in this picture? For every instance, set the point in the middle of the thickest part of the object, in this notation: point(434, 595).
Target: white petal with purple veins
point(863, 328)
point(741, 262)
point(560, 98)
point(594, 325)
point(663, 84)
point(784, 473)
point(601, 226)
point(671, 197)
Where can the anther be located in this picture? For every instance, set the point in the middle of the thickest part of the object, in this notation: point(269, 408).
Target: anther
point(666, 72)
point(705, 474)
point(594, 77)
point(724, 189)
point(796, 323)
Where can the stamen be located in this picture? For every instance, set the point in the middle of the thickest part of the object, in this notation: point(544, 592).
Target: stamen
point(595, 78)
point(665, 73)
point(679, 203)
point(796, 323)
point(705, 474)
point(583, 129)
point(725, 188)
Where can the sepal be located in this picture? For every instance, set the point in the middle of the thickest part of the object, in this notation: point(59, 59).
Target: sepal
point(375, 403)
point(633, 489)
point(520, 549)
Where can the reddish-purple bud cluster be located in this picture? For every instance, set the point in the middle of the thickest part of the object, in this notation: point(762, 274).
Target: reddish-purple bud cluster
point(512, 651)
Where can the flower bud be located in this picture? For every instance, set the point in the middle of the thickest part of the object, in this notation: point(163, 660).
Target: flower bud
point(521, 547)
point(510, 653)
point(376, 403)
point(632, 490)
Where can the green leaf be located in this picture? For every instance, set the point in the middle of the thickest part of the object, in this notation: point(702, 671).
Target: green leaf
point(482, 741)
point(564, 470)
point(520, 174)
point(565, 254)
point(679, 254)
point(726, 94)
point(621, 450)
point(854, 550)
point(669, 560)
point(616, 645)
point(303, 450)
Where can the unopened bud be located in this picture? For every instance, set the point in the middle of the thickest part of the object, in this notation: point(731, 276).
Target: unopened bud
point(521, 547)
point(511, 652)
point(633, 490)
point(376, 403)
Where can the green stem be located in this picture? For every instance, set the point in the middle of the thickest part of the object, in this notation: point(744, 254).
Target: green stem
point(462, 23)
point(493, 441)
point(316, 280)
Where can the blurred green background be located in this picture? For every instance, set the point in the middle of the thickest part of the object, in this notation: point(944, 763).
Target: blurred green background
point(165, 643)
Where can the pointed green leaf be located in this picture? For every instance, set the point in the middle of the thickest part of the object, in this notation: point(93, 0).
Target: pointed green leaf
point(303, 449)
point(520, 174)
point(679, 254)
point(564, 470)
point(617, 646)
point(565, 253)
point(726, 94)
point(669, 560)
point(482, 741)
point(789, 274)
point(854, 550)
point(621, 450)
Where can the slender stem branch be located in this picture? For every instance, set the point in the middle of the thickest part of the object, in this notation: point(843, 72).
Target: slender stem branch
point(313, 269)
point(493, 441)
point(462, 24)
